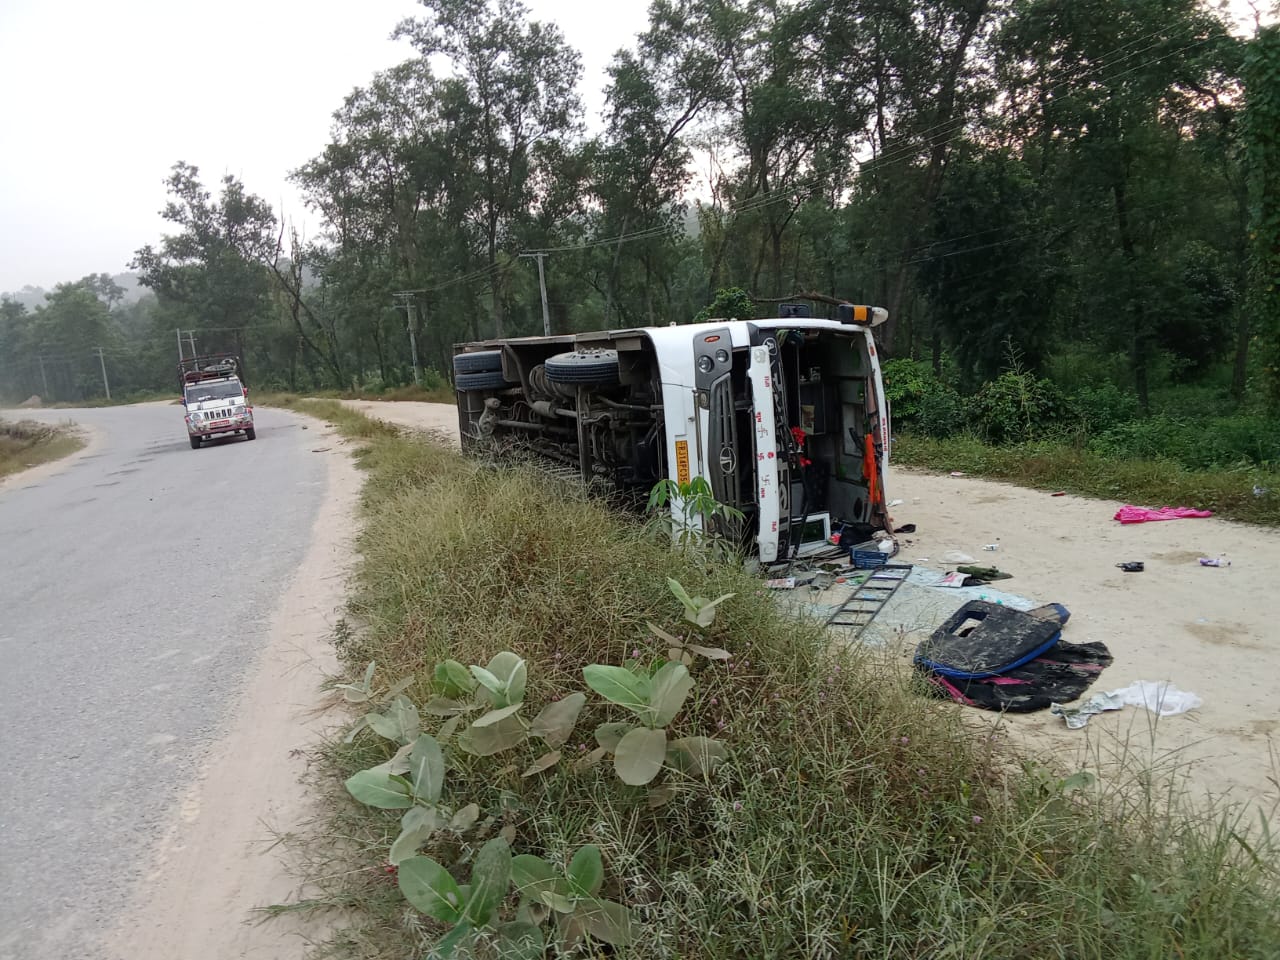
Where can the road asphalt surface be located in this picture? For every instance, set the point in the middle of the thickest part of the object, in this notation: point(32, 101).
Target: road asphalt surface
point(136, 587)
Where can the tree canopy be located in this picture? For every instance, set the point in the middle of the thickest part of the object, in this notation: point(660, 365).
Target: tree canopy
point(1055, 177)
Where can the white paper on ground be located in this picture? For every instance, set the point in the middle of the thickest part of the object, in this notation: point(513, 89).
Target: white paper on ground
point(1078, 715)
point(1158, 696)
point(928, 577)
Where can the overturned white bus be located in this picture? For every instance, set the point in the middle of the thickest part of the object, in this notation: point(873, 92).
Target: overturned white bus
point(785, 419)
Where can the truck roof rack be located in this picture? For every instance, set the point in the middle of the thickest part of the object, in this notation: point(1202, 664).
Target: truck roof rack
point(212, 366)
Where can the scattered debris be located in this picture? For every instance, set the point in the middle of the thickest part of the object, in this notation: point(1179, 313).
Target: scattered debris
point(319, 449)
point(906, 528)
point(1214, 562)
point(1058, 493)
point(1132, 566)
point(895, 503)
point(952, 580)
point(1159, 696)
point(1260, 491)
point(958, 473)
point(1078, 716)
point(991, 546)
point(781, 583)
point(868, 598)
point(955, 556)
point(1131, 514)
point(998, 658)
point(984, 574)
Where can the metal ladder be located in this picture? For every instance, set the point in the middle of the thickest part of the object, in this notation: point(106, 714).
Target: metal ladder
point(869, 598)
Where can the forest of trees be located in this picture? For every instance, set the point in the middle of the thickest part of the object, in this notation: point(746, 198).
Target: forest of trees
point(1085, 188)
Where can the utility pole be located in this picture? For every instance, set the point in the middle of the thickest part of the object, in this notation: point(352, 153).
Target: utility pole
point(103, 363)
point(542, 285)
point(410, 313)
point(179, 333)
point(191, 340)
point(43, 378)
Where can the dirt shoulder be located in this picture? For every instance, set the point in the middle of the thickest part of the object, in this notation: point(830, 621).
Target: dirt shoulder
point(438, 419)
point(46, 457)
point(218, 861)
point(1208, 630)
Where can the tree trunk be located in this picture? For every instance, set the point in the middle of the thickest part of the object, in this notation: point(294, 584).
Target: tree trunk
point(1138, 317)
point(942, 133)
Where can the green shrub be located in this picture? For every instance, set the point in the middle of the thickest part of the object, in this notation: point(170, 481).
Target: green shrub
point(920, 401)
point(1016, 407)
point(1194, 443)
point(1094, 409)
point(730, 303)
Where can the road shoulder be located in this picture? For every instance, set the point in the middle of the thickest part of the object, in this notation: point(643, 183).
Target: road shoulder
point(217, 861)
point(90, 442)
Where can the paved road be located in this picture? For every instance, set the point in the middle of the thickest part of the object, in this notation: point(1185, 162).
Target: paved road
point(135, 588)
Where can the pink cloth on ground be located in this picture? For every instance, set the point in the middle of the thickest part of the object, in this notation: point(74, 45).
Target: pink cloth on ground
point(1132, 514)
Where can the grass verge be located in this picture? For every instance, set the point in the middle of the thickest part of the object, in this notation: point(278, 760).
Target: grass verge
point(853, 817)
point(25, 443)
point(409, 393)
point(1229, 492)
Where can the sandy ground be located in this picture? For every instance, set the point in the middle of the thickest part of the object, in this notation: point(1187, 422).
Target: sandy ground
point(219, 861)
point(438, 419)
point(1210, 631)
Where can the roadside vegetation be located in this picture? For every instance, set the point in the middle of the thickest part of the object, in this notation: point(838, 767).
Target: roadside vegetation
point(1196, 447)
point(845, 815)
point(25, 443)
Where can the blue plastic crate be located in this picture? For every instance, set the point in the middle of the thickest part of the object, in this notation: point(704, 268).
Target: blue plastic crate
point(866, 559)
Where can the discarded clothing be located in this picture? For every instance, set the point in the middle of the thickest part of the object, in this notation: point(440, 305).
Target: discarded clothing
point(1061, 674)
point(1160, 697)
point(1078, 716)
point(1131, 514)
point(1008, 660)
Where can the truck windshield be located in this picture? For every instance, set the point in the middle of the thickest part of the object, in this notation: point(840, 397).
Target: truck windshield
point(200, 392)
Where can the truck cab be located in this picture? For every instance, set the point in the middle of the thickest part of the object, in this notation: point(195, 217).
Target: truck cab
point(215, 398)
point(785, 419)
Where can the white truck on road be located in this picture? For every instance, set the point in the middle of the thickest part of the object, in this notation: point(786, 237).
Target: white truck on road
point(215, 398)
point(785, 419)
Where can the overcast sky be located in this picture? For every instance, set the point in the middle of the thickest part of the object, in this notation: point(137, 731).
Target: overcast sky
point(100, 99)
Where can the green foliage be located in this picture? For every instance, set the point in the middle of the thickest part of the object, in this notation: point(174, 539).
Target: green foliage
point(702, 522)
point(1093, 410)
point(731, 303)
point(818, 834)
point(1262, 153)
point(1015, 407)
point(920, 401)
point(1200, 443)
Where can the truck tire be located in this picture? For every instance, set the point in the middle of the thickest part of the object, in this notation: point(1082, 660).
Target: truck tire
point(481, 361)
point(584, 367)
point(251, 434)
point(488, 380)
point(195, 443)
